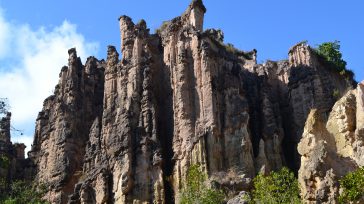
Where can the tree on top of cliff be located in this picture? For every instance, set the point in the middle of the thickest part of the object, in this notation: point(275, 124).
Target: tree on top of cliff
point(330, 51)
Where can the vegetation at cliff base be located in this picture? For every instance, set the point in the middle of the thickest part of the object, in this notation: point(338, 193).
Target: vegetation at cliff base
point(277, 187)
point(22, 192)
point(4, 162)
point(197, 190)
point(353, 186)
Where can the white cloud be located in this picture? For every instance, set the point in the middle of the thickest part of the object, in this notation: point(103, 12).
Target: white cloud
point(30, 62)
point(4, 36)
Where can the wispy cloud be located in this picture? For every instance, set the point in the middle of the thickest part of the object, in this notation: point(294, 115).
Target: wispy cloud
point(30, 61)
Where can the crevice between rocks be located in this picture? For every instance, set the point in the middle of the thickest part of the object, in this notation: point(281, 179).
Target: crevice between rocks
point(165, 129)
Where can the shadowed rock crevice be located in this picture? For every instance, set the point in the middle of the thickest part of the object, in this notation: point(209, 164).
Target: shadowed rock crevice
point(165, 132)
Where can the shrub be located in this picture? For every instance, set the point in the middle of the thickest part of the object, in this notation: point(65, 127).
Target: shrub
point(330, 51)
point(277, 187)
point(24, 192)
point(4, 162)
point(162, 28)
point(353, 186)
point(196, 191)
point(231, 48)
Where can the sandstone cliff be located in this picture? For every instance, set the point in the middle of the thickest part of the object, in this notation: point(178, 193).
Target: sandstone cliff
point(126, 130)
point(332, 146)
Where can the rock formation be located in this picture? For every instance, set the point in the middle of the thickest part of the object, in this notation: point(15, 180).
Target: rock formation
point(62, 128)
point(12, 158)
point(332, 146)
point(126, 130)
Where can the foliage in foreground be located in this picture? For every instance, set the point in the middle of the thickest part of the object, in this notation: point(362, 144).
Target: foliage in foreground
point(277, 187)
point(22, 192)
point(353, 186)
point(196, 190)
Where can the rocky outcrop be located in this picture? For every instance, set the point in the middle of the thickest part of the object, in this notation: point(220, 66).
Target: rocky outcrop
point(62, 128)
point(126, 130)
point(331, 147)
point(312, 85)
point(13, 165)
point(242, 198)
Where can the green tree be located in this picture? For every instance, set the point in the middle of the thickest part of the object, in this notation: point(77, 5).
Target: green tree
point(353, 186)
point(277, 187)
point(330, 51)
point(196, 191)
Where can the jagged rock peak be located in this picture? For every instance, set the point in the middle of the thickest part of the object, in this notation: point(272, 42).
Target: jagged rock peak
point(17, 166)
point(302, 54)
point(72, 51)
point(111, 50)
point(197, 4)
point(5, 128)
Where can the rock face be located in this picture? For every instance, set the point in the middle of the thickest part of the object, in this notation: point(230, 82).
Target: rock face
point(13, 161)
point(62, 128)
point(332, 146)
point(126, 130)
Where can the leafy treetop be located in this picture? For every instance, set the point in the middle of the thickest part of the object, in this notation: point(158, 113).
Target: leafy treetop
point(277, 187)
point(331, 52)
point(196, 189)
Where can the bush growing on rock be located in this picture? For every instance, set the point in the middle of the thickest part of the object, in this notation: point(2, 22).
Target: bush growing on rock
point(277, 187)
point(330, 51)
point(197, 191)
point(353, 187)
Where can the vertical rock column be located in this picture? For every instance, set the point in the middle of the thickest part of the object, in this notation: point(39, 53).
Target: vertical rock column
point(210, 110)
point(330, 148)
point(311, 86)
point(5, 129)
point(129, 126)
point(62, 127)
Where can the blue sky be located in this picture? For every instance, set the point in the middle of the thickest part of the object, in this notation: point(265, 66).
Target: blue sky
point(271, 27)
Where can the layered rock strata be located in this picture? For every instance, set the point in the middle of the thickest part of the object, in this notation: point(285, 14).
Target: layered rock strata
point(126, 130)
